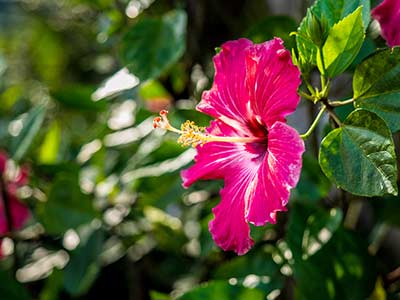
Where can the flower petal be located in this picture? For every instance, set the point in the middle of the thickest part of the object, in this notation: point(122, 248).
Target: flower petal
point(229, 228)
point(3, 161)
point(228, 98)
point(216, 159)
point(388, 16)
point(279, 172)
point(272, 81)
point(19, 212)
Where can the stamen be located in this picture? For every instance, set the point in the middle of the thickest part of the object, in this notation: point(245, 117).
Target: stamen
point(193, 135)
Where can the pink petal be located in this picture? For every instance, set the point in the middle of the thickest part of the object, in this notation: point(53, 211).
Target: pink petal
point(229, 228)
point(388, 16)
point(22, 176)
point(228, 98)
point(19, 212)
point(215, 160)
point(279, 172)
point(272, 81)
point(3, 161)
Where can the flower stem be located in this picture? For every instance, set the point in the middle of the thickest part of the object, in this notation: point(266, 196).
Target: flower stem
point(314, 124)
point(309, 87)
point(305, 95)
point(340, 103)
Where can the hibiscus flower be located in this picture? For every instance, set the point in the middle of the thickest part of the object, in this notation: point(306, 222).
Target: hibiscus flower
point(248, 145)
point(18, 212)
point(388, 16)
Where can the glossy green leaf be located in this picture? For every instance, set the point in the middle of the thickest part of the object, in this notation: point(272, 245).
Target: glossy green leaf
point(153, 45)
point(31, 125)
point(376, 85)
point(66, 207)
point(342, 45)
point(222, 290)
point(319, 230)
point(83, 267)
point(359, 157)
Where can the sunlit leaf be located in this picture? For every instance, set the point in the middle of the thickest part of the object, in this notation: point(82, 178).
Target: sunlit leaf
point(317, 23)
point(336, 10)
point(376, 85)
point(342, 45)
point(359, 157)
point(48, 151)
point(319, 230)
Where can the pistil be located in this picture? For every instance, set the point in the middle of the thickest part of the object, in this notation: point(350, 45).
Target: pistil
point(193, 135)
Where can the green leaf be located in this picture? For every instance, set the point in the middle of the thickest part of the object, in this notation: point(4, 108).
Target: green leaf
point(222, 290)
point(341, 269)
point(154, 295)
point(258, 266)
point(83, 267)
point(30, 127)
point(78, 97)
point(359, 157)
point(335, 10)
point(153, 45)
point(320, 18)
point(342, 45)
point(53, 285)
point(67, 207)
point(305, 44)
point(49, 149)
point(319, 230)
point(376, 85)
point(10, 289)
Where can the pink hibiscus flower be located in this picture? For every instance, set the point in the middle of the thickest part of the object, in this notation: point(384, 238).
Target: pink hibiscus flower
point(388, 16)
point(18, 212)
point(249, 145)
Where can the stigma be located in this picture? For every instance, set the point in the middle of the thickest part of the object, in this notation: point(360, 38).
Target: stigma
point(192, 135)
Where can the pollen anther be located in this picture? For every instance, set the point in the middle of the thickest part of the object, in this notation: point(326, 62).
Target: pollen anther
point(193, 135)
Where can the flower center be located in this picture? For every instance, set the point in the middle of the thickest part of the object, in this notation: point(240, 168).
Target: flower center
point(193, 135)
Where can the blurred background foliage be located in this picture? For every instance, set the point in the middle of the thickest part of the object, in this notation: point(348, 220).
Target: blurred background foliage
point(80, 82)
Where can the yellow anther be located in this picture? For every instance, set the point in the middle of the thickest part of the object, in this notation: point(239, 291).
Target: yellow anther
point(193, 135)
